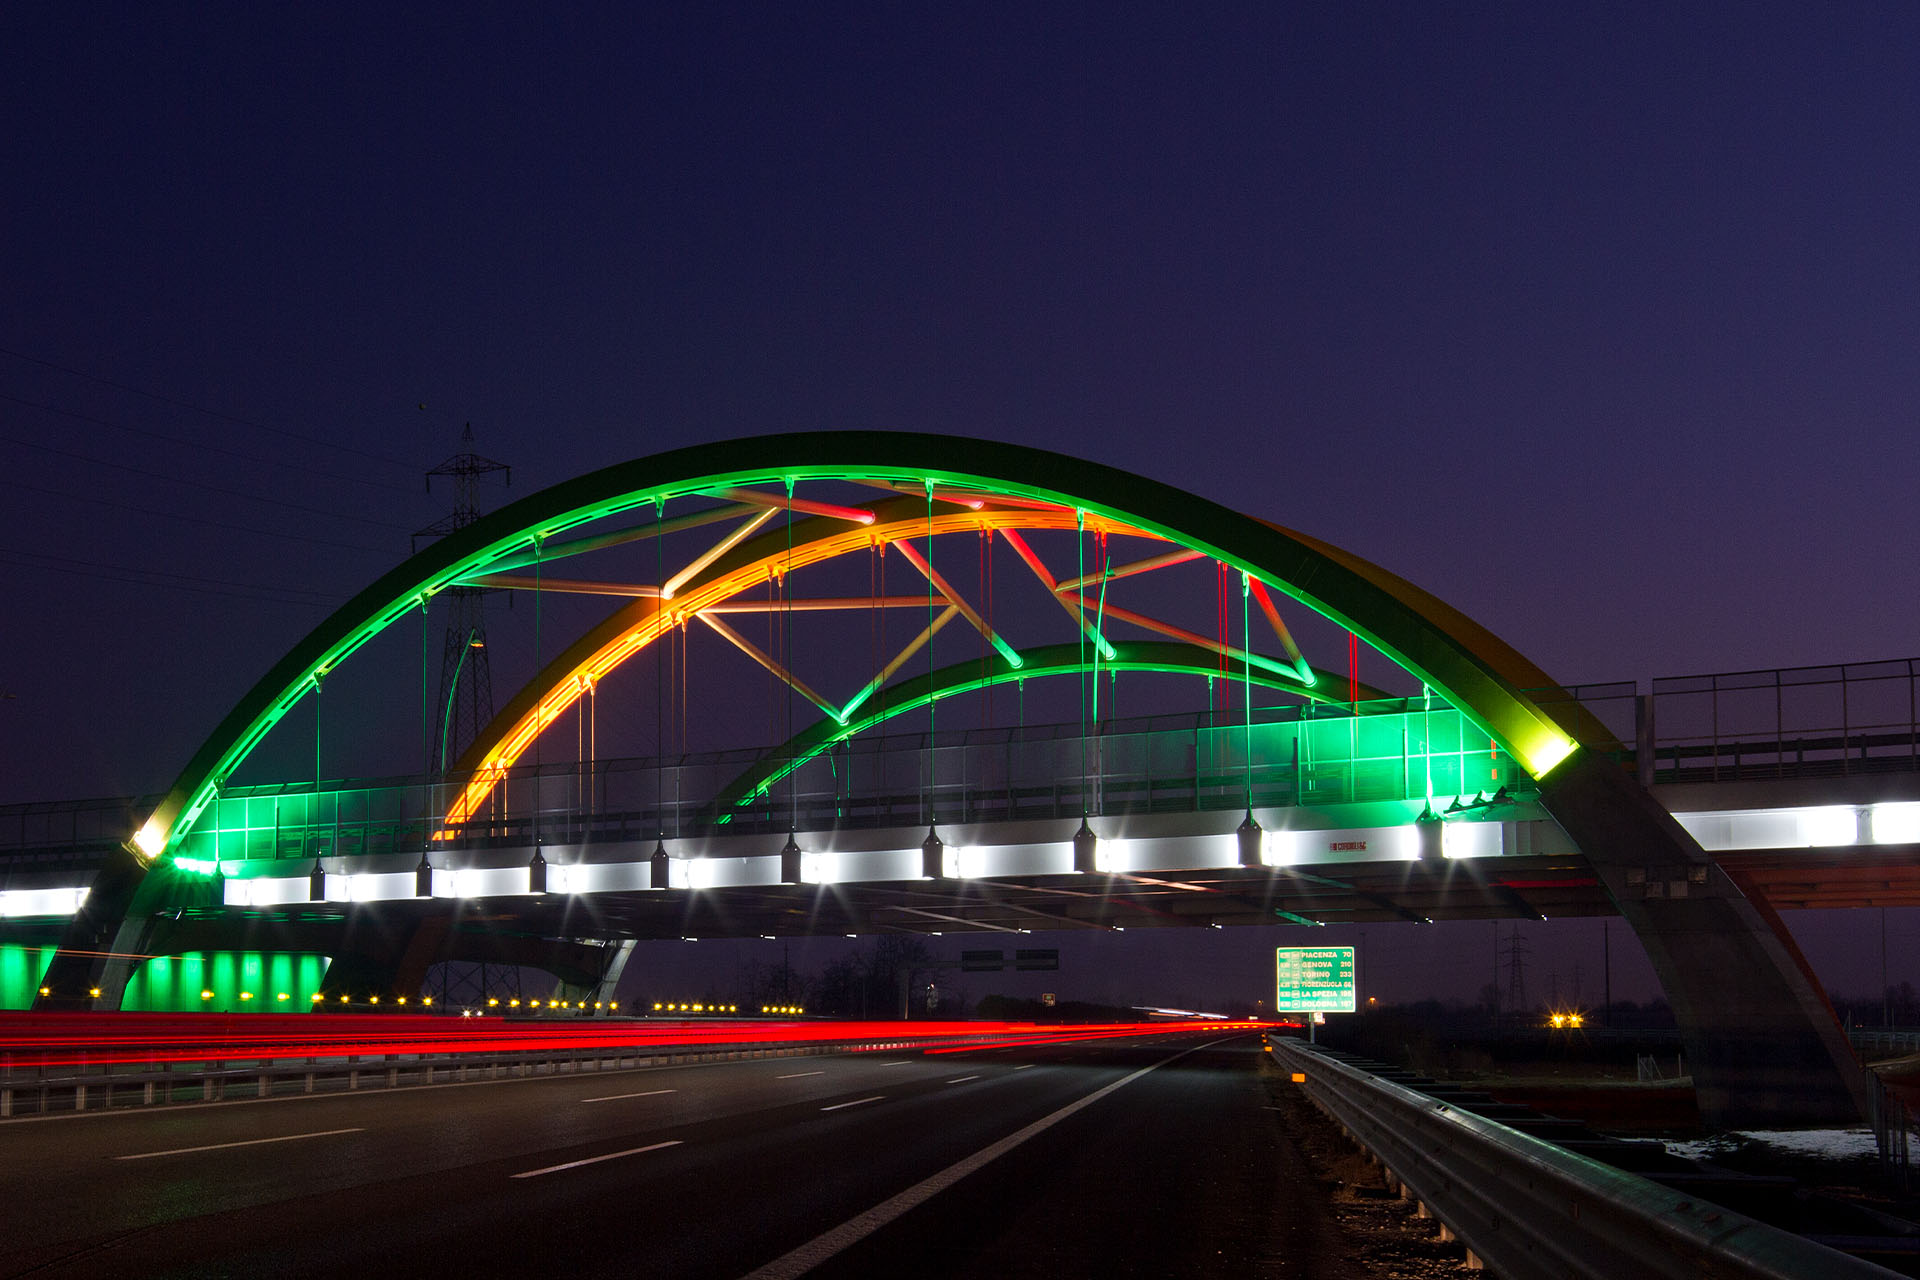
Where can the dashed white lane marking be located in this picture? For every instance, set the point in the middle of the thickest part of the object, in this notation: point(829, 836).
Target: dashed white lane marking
point(897, 1062)
point(963, 1079)
point(616, 1155)
point(820, 1248)
point(800, 1075)
point(857, 1102)
point(1027, 1066)
point(615, 1097)
point(250, 1142)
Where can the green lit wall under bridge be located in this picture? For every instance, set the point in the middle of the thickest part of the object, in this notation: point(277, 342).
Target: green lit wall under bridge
point(21, 969)
point(241, 982)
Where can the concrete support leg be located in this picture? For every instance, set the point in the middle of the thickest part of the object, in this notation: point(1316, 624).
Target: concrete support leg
point(1760, 1037)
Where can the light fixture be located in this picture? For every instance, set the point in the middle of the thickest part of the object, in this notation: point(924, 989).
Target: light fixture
point(1086, 849)
point(790, 860)
point(1429, 837)
point(660, 869)
point(537, 873)
point(423, 877)
point(317, 882)
point(933, 854)
point(1252, 841)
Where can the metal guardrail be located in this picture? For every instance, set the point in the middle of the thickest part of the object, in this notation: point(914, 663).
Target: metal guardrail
point(1526, 1208)
point(48, 1091)
point(1893, 1040)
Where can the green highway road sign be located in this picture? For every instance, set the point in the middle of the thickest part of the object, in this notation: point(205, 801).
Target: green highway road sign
point(1313, 980)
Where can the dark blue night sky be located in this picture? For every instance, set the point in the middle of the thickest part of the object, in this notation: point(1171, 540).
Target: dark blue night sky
point(1601, 322)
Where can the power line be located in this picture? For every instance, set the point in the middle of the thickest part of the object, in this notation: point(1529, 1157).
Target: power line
point(171, 581)
point(151, 434)
point(199, 484)
point(211, 413)
point(217, 524)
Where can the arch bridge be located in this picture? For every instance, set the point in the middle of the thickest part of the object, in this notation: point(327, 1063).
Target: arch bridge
point(925, 643)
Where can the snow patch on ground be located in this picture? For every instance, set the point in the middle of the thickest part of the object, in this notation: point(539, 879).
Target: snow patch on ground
point(1819, 1144)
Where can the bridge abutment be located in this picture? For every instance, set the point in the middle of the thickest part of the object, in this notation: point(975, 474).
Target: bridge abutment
point(1761, 1040)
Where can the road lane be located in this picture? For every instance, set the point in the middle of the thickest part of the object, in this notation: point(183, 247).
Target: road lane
point(1184, 1173)
point(244, 1142)
point(56, 1164)
point(738, 1164)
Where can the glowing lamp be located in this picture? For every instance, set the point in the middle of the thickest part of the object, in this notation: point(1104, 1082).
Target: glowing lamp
point(1829, 826)
point(1895, 823)
point(149, 840)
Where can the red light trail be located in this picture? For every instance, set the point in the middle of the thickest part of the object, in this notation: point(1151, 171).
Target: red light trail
point(39, 1040)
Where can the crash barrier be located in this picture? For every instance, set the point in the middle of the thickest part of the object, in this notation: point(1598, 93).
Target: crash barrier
point(1525, 1208)
point(48, 1090)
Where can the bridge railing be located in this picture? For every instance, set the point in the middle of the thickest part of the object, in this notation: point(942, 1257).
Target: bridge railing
point(1395, 750)
point(70, 823)
point(1790, 722)
point(1822, 721)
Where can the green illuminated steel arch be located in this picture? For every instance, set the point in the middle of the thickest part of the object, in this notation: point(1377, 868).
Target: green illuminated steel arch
point(1476, 672)
point(1162, 656)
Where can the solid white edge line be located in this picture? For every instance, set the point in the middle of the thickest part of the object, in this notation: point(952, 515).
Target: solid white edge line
point(615, 1097)
point(821, 1247)
point(250, 1142)
point(855, 1103)
point(615, 1155)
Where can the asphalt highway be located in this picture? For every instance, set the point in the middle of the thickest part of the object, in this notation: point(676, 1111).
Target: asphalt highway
point(1157, 1156)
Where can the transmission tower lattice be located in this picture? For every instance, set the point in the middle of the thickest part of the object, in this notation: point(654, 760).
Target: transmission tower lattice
point(1517, 950)
point(465, 702)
